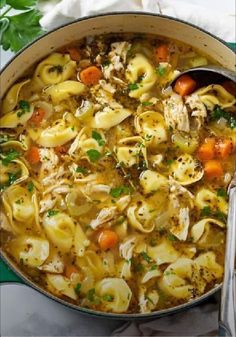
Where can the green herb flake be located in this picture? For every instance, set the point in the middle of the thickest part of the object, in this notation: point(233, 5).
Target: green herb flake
point(160, 70)
point(4, 139)
point(93, 155)
point(92, 297)
point(57, 68)
point(149, 299)
point(106, 63)
point(154, 267)
point(77, 288)
point(218, 113)
point(108, 298)
point(147, 103)
point(133, 86)
point(98, 138)
point(120, 220)
point(138, 268)
point(171, 237)
point(118, 191)
point(24, 105)
point(80, 169)
point(221, 192)
point(10, 156)
point(220, 216)
point(206, 211)
point(170, 161)
point(30, 186)
point(146, 257)
point(12, 177)
point(52, 212)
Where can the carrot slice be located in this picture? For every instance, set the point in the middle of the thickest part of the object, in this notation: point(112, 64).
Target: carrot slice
point(74, 54)
point(207, 150)
point(107, 239)
point(33, 155)
point(185, 85)
point(162, 53)
point(230, 86)
point(70, 269)
point(90, 75)
point(213, 169)
point(224, 147)
point(37, 117)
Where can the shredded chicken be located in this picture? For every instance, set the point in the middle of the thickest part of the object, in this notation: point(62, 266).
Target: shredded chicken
point(199, 110)
point(176, 113)
point(126, 248)
point(105, 215)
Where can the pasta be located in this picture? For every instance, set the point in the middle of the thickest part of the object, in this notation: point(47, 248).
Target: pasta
point(114, 184)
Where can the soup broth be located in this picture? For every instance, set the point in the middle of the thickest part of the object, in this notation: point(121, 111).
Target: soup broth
point(113, 183)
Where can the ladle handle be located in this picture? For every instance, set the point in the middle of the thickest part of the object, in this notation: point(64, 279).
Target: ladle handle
point(227, 319)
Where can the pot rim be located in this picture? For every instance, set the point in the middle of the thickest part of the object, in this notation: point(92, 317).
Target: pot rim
point(11, 264)
point(115, 13)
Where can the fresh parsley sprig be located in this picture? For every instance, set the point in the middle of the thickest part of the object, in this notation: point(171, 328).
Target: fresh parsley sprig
point(18, 30)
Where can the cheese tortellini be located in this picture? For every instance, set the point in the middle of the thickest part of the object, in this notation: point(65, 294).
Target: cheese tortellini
point(141, 72)
point(55, 69)
point(119, 292)
point(29, 250)
point(150, 125)
point(186, 170)
point(21, 208)
point(60, 229)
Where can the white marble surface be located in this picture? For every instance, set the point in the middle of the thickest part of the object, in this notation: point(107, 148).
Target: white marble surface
point(25, 312)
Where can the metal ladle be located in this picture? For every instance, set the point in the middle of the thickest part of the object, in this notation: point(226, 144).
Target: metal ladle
point(206, 75)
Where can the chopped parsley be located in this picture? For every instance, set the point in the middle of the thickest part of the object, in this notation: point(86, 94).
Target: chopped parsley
point(24, 107)
point(133, 86)
point(220, 216)
point(118, 191)
point(52, 212)
point(160, 70)
point(146, 257)
point(171, 237)
point(4, 139)
point(98, 138)
point(206, 211)
point(218, 113)
point(92, 297)
point(12, 177)
point(30, 186)
point(154, 267)
point(106, 63)
point(77, 288)
point(170, 161)
point(58, 68)
point(149, 299)
point(147, 103)
point(80, 169)
point(93, 155)
point(108, 298)
point(10, 156)
point(221, 192)
point(138, 268)
point(120, 220)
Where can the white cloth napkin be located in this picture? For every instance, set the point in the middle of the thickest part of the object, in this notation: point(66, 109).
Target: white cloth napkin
point(213, 15)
